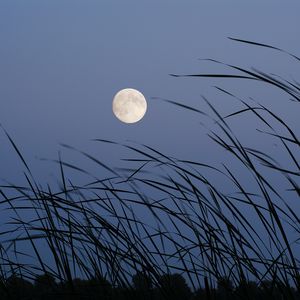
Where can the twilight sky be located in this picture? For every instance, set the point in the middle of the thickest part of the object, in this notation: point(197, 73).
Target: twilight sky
point(62, 61)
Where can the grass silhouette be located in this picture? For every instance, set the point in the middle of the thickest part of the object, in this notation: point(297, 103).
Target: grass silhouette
point(93, 233)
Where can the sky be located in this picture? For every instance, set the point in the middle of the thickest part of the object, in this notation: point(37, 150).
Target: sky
point(62, 61)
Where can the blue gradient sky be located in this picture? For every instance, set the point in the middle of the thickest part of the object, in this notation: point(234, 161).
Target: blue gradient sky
point(62, 61)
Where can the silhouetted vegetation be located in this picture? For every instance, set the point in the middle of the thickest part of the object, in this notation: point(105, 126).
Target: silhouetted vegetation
point(194, 240)
point(171, 286)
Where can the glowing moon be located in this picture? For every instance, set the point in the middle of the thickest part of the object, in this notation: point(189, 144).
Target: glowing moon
point(129, 105)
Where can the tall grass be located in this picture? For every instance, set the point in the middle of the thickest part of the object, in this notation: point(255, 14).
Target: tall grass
point(163, 215)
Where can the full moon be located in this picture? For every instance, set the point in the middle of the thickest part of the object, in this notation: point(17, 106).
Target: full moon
point(129, 105)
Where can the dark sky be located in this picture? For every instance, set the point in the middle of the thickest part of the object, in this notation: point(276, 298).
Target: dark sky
point(61, 62)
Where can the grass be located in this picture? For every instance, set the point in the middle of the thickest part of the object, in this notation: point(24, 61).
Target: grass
point(163, 215)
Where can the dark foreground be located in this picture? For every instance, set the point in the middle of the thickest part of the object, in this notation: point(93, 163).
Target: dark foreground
point(171, 286)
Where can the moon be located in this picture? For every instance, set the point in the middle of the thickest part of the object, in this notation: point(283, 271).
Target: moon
point(129, 105)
